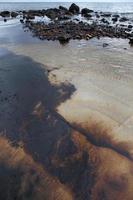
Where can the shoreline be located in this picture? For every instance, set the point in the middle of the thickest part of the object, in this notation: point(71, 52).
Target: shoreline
point(64, 24)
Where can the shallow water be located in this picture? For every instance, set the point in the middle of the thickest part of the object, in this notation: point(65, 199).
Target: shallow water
point(49, 90)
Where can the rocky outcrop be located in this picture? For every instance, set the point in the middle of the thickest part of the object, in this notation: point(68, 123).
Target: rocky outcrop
point(5, 14)
point(64, 23)
point(74, 8)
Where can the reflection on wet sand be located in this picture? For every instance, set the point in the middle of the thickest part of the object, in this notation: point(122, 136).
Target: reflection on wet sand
point(52, 155)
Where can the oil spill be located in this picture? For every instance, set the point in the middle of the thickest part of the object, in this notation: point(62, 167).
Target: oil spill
point(44, 150)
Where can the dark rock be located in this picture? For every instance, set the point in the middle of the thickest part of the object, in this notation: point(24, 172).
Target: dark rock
point(14, 14)
point(22, 21)
point(106, 14)
point(114, 19)
point(64, 17)
point(130, 26)
point(87, 15)
point(123, 19)
point(97, 15)
point(5, 20)
point(64, 38)
point(52, 13)
point(76, 19)
point(116, 16)
point(131, 41)
point(85, 11)
point(5, 14)
point(63, 8)
point(74, 8)
point(105, 44)
point(30, 17)
point(36, 12)
point(104, 21)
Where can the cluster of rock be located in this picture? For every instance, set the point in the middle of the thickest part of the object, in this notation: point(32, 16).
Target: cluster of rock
point(72, 30)
point(63, 28)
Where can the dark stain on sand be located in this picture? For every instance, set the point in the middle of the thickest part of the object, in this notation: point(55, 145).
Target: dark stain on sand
point(23, 84)
point(29, 120)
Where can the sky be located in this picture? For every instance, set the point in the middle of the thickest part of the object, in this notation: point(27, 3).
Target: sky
point(65, 0)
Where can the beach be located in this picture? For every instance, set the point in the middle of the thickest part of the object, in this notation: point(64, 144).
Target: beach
point(68, 107)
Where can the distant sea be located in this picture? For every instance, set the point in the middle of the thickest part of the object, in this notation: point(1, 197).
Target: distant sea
point(125, 7)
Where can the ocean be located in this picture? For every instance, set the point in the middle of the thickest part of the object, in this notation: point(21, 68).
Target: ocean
point(125, 7)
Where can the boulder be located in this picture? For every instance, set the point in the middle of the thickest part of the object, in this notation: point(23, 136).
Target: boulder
point(64, 38)
point(97, 15)
point(114, 19)
point(123, 19)
point(63, 8)
point(30, 17)
point(14, 14)
point(22, 21)
point(52, 13)
point(105, 45)
point(85, 11)
point(104, 21)
point(74, 8)
point(5, 14)
point(130, 26)
point(87, 15)
point(36, 12)
point(131, 40)
point(116, 16)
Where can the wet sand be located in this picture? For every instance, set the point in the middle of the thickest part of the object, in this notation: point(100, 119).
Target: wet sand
point(70, 109)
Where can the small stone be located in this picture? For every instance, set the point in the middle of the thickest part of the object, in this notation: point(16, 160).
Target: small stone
point(105, 44)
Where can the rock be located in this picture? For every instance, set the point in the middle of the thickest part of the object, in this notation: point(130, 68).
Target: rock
point(64, 17)
point(116, 16)
point(87, 15)
point(5, 20)
point(106, 14)
point(88, 36)
point(74, 8)
point(63, 8)
point(85, 11)
point(123, 19)
point(131, 41)
point(30, 17)
point(52, 13)
point(130, 26)
point(105, 44)
point(104, 21)
point(64, 38)
point(5, 14)
point(114, 19)
point(14, 14)
point(97, 15)
point(22, 21)
point(36, 12)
